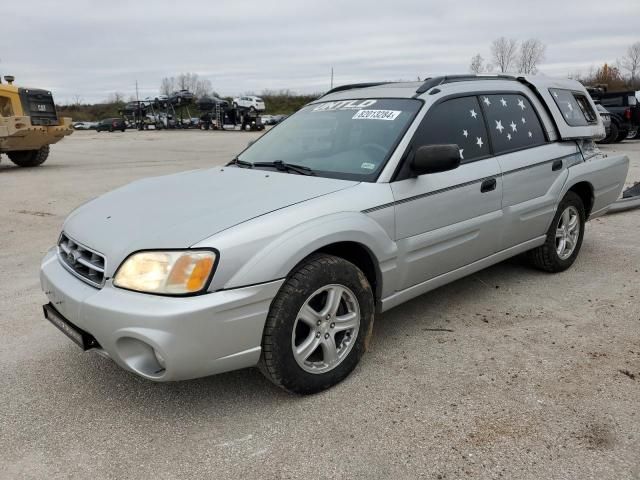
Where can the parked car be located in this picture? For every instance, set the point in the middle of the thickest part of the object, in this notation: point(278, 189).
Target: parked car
point(85, 125)
point(207, 104)
point(625, 113)
point(267, 120)
point(367, 197)
point(250, 102)
point(111, 124)
point(279, 118)
point(606, 121)
point(181, 97)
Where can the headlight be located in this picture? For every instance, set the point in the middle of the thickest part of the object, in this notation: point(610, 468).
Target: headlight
point(167, 272)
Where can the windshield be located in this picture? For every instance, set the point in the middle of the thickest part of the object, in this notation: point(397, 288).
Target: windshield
point(349, 139)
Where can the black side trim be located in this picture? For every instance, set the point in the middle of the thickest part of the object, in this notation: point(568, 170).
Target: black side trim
point(466, 184)
point(526, 167)
point(428, 194)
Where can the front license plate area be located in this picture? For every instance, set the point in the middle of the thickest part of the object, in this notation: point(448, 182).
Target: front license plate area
point(85, 340)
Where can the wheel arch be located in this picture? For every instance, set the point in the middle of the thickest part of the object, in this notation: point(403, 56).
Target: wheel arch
point(362, 257)
point(584, 190)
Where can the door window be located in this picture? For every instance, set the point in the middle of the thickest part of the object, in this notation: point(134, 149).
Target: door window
point(513, 123)
point(457, 121)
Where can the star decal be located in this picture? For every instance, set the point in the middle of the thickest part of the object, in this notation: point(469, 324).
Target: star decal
point(461, 153)
point(499, 125)
point(513, 127)
point(486, 100)
point(530, 134)
point(509, 136)
point(465, 133)
point(521, 104)
point(503, 102)
point(473, 113)
point(479, 142)
point(524, 120)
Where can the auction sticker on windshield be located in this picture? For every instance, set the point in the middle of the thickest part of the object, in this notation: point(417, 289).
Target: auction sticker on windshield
point(376, 114)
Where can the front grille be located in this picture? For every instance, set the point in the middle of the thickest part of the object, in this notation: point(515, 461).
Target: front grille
point(83, 262)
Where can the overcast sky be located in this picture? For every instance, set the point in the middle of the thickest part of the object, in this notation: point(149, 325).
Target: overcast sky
point(92, 48)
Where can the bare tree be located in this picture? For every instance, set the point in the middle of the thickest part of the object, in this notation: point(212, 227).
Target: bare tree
point(200, 87)
point(477, 64)
point(504, 52)
point(77, 100)
point(531, 54)
point(167, 85)
point(631, 62)
point(115, 97)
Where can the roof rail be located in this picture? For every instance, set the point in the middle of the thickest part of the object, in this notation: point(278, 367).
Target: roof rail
point(435, 81)
point(342, 88)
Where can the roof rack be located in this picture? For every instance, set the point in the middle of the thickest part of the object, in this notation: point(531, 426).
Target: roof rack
point(351, 86)
point(435, 81)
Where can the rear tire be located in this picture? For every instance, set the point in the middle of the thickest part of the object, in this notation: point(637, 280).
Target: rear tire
point(318, 325)
point(563, 243)
point(30, 158)
point(613, 134)
point(622, 135)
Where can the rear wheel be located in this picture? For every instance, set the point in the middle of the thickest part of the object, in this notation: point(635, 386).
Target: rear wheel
point(622, 135)
point(564, 237)
point(30, 158)
point(613, 134)
point(318, 325)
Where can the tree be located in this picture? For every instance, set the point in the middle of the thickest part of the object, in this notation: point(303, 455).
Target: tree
point(531, 54)
point(477, 64)
point(631, 62)
point(200, 87)
point(115, 97)
point(504, 53)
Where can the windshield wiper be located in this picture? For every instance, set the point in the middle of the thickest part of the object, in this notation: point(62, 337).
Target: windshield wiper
point(286, 167)
point(240, 163)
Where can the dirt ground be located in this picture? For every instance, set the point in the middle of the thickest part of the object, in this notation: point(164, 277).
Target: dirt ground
point(509, 373)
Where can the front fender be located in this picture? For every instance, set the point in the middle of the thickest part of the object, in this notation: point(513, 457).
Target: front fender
point(282, 253)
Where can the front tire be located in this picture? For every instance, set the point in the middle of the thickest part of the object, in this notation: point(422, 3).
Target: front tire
point(564, 237)
point(30, 158)
point(318, 325)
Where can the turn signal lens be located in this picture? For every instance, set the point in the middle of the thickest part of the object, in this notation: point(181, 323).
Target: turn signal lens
point(166, 272)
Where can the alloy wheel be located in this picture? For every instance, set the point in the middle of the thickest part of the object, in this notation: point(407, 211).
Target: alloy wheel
point(325, 329)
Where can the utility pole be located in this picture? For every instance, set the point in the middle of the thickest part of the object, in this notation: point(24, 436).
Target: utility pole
point(331, 78)
point(137, 98)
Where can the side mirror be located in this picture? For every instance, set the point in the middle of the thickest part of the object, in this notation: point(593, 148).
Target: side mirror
point(435, 158)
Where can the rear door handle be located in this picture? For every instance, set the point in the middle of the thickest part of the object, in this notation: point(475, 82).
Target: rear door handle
point(488, 185)
point(557, 165)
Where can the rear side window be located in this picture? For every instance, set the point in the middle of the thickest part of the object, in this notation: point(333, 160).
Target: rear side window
point(458, 121)
point(513, 123)
point(575, 107)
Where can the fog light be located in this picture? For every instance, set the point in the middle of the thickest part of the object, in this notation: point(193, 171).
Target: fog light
point(160, 359)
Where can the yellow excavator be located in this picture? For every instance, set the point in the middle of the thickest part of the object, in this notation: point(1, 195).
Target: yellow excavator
point(29, 123)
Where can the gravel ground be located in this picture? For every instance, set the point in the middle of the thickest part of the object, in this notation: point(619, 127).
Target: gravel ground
point(509, 373)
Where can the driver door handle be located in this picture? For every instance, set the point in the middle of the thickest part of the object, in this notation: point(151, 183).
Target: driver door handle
point(488, 185)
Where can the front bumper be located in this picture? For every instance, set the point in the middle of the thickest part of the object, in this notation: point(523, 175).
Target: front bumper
point(193, 336)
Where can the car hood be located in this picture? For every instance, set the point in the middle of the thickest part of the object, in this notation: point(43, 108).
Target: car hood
point(177, 211)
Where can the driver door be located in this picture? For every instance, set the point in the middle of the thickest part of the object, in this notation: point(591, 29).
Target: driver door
point(447, 220)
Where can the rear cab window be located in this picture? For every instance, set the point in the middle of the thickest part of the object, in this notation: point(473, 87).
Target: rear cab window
point(513, 122)
point(574, 107)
